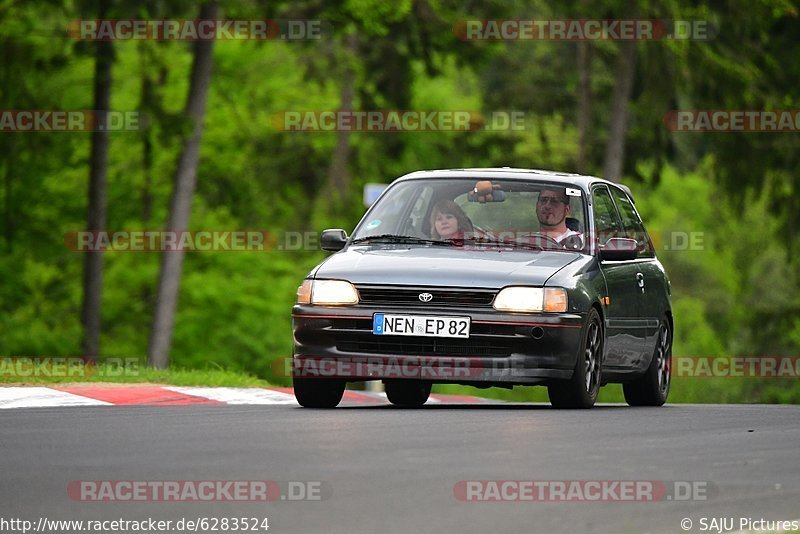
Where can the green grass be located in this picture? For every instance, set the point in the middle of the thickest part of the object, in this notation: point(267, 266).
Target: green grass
point(56, 372)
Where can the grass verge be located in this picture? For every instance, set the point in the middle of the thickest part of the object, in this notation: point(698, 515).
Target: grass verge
point(16, 373)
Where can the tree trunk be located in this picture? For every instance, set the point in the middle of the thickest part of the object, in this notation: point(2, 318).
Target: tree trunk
point(618, 128)
point(338, 171)
point(584, 102)
point(150, 106)
point(181, 202)
point(9, 191)
point(98, 170)
point(147, 108)
point(147, 153)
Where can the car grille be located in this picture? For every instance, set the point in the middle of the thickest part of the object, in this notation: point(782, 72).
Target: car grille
point(405, 296)
point(428, 347)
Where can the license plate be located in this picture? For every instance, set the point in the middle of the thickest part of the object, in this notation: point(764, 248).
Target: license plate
point(419, 325)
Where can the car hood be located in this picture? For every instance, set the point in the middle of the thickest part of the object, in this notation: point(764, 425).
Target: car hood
point(442, 266)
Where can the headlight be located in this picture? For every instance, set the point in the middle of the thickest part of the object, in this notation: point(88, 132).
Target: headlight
point(531, 299)
point(327, 292)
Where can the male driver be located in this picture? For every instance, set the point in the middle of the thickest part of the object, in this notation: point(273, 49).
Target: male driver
point(552, 209)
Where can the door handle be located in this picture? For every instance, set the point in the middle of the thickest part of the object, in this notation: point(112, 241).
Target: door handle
point(640, 280)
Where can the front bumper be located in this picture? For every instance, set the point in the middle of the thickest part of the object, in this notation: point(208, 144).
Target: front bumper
point(502, 349)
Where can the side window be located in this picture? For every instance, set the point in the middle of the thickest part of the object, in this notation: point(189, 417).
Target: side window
point(634, 228)
point(606, 220)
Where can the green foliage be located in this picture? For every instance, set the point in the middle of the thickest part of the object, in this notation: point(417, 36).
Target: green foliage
point(737, 292)
point(127, 373)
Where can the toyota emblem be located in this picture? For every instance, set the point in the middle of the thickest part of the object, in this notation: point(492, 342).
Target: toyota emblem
point(425, 297)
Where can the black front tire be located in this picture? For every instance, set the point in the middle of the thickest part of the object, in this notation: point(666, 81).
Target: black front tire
point(581, 390)
point(318, 392)
point(652, 388)
point(408, 393)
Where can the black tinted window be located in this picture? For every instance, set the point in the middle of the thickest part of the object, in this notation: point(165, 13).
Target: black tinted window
point(606, 220)
point(634, 228)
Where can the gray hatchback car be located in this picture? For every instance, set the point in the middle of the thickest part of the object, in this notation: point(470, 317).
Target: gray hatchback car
point(490, 278)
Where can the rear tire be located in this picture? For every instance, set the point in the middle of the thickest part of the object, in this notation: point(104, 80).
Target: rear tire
point(581, 390)
point(408, 393)
point(318, 392)
point(652, 388)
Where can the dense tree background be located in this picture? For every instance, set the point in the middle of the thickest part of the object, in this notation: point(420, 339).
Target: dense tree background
point(738, 295)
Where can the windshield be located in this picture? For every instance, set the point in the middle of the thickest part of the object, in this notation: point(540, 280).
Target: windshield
point(513, 213)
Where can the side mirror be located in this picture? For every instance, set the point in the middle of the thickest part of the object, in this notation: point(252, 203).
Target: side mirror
point(619, 249)
point(333, 240)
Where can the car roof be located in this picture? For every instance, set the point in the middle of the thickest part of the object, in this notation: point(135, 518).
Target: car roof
point(509, 173)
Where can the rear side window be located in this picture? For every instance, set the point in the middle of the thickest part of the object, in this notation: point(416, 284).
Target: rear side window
point(606, 220)
point(634, 228)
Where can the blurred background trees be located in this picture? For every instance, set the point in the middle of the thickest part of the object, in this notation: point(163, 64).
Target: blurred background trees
point(595, 107)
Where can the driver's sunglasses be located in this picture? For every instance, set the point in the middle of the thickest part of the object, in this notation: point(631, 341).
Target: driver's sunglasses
point(553, 201)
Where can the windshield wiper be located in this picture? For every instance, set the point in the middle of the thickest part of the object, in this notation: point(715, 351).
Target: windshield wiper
point(393, 238)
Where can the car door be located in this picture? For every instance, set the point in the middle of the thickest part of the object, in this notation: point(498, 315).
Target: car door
point(625, 327)
point(650, 274)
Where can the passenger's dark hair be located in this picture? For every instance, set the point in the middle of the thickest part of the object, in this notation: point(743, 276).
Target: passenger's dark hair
point(448, 207)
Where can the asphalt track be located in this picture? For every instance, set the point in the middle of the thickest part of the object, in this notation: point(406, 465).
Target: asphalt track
point(386, 469)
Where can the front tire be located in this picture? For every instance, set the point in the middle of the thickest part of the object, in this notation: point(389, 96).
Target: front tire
point(318, 392)
point(581, 390)
point(653, 387)
point(408, 393)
